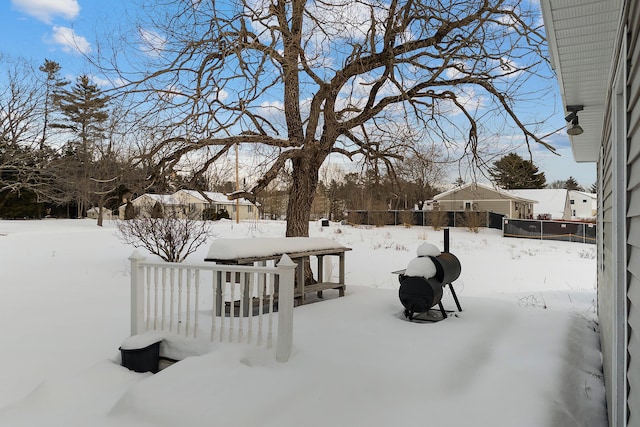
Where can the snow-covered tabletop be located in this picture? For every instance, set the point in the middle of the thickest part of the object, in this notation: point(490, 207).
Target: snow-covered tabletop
point(268, 247)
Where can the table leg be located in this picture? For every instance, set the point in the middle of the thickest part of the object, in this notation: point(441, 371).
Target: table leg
point(300, 262)
point(320, 272)
point(342, 274)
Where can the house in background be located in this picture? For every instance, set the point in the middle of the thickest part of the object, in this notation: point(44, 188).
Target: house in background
point(191, 203)
point(552, 203)
point(583, 205)
point(93, 213)
point(484, 198)
point(153, 205)
point(216, 202)
point(595, 51)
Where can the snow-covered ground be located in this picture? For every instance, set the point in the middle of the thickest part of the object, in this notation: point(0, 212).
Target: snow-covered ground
point(524, 351)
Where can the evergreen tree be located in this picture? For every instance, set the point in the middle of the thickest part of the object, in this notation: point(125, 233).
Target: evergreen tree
point(53, 83)
point(513, 172)
point(83, 108)
point(572, 184)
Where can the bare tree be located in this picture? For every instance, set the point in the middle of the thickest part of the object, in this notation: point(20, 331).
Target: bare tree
point(26, 166)
point(173, 234)
point(304, 80)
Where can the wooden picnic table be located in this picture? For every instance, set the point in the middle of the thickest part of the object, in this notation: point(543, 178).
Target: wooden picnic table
point(298, 256)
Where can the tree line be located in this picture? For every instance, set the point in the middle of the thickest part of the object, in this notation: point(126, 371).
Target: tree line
point(407, 82)
point(64, 151)
point(513, 172)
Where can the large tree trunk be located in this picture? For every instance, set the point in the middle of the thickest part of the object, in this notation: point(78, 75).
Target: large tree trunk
point(100, 208)
point(301, 194)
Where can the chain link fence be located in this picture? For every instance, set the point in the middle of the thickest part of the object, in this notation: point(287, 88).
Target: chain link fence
point(568, 231)
point(380, 218)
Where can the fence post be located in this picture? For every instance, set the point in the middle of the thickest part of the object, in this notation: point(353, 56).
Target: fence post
point(286, 273)
point(137, 293)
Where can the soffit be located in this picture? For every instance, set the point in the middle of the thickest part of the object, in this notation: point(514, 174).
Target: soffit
point(582, 38)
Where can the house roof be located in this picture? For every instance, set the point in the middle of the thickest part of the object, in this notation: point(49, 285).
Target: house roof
point(501, 192)
point(550, 201)
point(582, 38)
point(165, 199)
point(592, 196)
point(213, 197)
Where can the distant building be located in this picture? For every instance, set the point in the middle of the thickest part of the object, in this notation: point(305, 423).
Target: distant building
point(216, 202)
point(193, 204)
point(552, 203)
point(93, 213)
point(149, 205)
point(484, 198)
point(583, 205)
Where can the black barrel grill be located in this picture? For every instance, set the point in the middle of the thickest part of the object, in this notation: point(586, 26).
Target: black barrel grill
point(419, 294)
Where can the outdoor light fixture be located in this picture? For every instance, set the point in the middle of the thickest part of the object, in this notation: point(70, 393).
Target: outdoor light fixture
point(572, 117)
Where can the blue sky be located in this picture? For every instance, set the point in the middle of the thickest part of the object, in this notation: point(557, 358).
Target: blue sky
point(59, 30)
point(62, 30)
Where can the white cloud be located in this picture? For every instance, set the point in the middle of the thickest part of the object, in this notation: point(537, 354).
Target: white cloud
point(45, 10)
point(69, 40)
point(152, 42)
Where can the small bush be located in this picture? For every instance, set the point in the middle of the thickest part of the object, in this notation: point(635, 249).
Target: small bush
point(377, 218)
point(473, 221)
point(407, 218)
point(172, 237)
point(439, 219)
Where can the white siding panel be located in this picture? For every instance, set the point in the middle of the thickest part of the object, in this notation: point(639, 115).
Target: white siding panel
point(634, 311)
point(633, 374)
point(634, 175)
point(634, 202)
point(634, 269)
point(634, 232)
point(633, 215)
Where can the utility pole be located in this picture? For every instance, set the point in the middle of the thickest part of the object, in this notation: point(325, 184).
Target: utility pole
point(237, 189)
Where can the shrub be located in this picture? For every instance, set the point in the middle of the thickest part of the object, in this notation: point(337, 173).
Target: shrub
point(172, 237)
point(473, 221)
point(407, 218)
point(439, 219)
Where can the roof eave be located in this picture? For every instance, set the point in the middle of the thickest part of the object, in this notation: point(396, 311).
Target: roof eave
point(582, 40)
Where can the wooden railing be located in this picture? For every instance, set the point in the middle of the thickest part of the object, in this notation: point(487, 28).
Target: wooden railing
point(224, 303)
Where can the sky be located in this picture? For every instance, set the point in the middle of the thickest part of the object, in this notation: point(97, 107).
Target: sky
point(523, 351)
point(64, 30)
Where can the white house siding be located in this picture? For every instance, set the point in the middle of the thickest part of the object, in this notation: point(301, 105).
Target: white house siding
point(605, 272)
point(619, 240)
point(595, 49)
point(633, 218)
point(582, 204)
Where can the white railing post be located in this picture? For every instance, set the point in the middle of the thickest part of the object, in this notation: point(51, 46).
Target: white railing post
point(286, 273)
point(137, 293)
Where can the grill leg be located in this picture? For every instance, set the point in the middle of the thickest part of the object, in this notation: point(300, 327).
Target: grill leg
point(455, 297)
point(442, 310)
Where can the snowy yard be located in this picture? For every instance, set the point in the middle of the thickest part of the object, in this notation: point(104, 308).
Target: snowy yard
point(524, 352)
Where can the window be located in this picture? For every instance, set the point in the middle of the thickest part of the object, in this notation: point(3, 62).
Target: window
point(573, 202)
point(584, 200)
point(250, 208)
